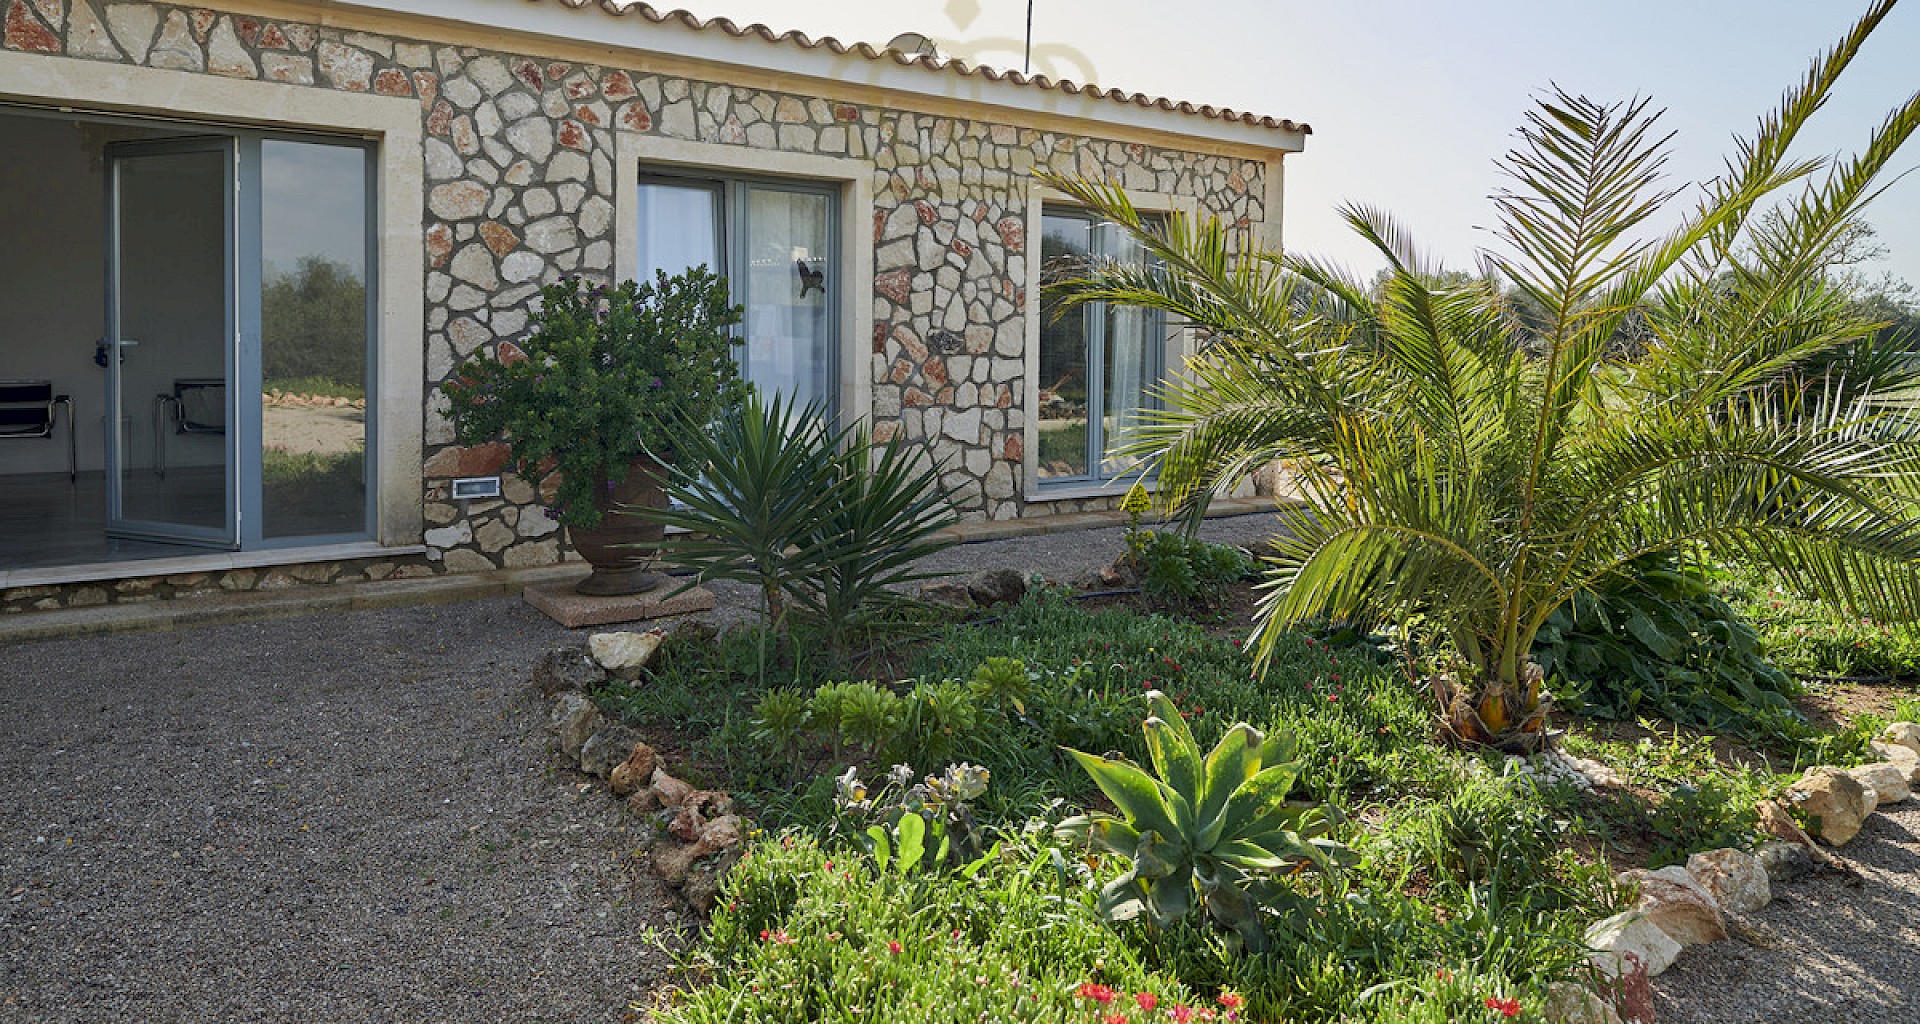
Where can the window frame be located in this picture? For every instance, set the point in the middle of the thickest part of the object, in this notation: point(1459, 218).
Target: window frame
point(1175, 345)
point(849, 179)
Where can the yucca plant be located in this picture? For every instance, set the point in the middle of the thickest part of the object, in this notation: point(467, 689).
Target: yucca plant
point(1209, 833)
point(818, 518)
point(1479, 467)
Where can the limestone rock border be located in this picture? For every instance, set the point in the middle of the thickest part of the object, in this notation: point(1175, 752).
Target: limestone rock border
point(690, 836)
point(1677, 907)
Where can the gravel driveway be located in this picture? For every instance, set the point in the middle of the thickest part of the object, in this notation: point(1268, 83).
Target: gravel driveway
point(343, 817)
point(1832, 951)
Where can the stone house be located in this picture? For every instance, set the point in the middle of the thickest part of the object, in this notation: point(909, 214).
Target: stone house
point(247, 242)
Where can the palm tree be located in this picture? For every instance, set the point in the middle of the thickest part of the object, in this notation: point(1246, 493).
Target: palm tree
point(1481, 468)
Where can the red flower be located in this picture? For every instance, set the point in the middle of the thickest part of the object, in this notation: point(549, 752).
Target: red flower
point(1181, 1013)
point(1333, 696)
point(1443, 974)
point(1146, 1000)
point(1114, 1018)
point(1507, 1007)
point(1098, 993)
point(778, 938)
point(893, 948)
point(1232, 1001)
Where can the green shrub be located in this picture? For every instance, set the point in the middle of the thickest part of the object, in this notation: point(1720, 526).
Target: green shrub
point(1174, 568)
point(609, 374)
point(1660, 641)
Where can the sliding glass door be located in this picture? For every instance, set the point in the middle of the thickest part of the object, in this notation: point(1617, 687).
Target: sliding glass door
point(171, 343)
point(240, 320)
point(774, 243)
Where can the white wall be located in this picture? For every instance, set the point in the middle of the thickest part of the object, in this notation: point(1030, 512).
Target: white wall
point(52, 284)
point(52, 279)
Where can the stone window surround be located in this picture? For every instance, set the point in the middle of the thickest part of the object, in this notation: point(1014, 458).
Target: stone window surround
point(90, 87)
point(1179, 343)
point(638, 154)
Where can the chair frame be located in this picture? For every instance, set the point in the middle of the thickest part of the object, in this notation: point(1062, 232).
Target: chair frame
point(44, 396)
point(171, 409)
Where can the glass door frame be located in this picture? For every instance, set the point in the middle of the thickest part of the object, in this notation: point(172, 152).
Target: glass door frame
point(244, 352)
point(117, 459)
point(732, 243)
point(252, 339)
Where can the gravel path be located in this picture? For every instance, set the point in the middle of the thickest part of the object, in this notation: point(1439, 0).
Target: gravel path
point(341, 817)
point(1832, 951)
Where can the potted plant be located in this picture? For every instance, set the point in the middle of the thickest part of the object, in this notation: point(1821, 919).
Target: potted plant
point(595, 394)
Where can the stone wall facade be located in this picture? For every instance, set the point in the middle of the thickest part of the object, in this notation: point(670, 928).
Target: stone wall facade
point(520, 161)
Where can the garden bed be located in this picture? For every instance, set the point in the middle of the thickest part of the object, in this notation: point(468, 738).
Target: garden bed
point(1475, 874)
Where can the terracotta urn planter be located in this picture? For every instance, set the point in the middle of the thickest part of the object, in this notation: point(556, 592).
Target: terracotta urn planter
point(621, 549)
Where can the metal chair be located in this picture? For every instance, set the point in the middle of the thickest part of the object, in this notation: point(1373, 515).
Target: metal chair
point(198, 405)
point(27, 409)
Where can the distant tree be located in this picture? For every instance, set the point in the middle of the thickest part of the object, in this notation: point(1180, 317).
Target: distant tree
point(314, 324)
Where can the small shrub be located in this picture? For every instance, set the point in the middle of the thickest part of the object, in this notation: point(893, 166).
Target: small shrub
point(817, 518)
point(1176, 569)
point(927, 823)
point(1660, 641)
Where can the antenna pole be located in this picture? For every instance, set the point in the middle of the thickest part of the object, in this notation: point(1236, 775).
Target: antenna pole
point(1026, 64)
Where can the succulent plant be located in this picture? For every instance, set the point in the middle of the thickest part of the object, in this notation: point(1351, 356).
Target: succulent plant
point(1214, 833)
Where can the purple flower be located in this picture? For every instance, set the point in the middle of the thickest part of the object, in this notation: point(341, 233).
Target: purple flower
point(656, 383)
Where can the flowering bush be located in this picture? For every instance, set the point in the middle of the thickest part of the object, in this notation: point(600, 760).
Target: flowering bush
point(928, 822)
point(605, 375)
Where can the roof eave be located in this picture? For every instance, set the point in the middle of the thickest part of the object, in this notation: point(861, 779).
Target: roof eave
point(827, 61)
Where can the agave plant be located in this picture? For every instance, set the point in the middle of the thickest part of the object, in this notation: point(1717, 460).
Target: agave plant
point(1209, 833)
point(1481, 449)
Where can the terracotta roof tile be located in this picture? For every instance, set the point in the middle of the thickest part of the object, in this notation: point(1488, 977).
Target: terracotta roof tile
point(930, 63)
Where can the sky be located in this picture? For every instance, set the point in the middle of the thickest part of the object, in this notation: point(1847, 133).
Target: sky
point(1411, 101)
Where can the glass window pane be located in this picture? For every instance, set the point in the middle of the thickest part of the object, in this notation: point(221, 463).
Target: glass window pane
point(679, 228)
point(1063, 449)
point(790, 286)
point(1131, 356)
point(313, 320)
point(172, 296)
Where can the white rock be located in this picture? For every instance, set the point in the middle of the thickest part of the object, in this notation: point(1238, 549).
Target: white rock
point(1630, 933)
point(1568, 1003)
point(1674, 902)
point(1902, 734)
point(1833, 803)
point(1888, 782)
point(1737, 881)
point(625, 654)
point(1900, 757)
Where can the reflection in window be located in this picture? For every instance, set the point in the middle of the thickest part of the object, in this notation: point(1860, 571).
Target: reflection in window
point(314, 321)
point(1098, 363)
point(773, 243)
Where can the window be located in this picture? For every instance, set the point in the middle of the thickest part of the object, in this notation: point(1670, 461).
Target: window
point(1097, 362)
point(773, 242)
